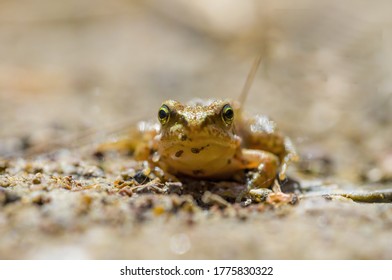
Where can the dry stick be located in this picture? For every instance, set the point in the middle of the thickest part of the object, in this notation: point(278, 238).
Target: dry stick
point(384, 196)
point(370, 197)
point(249, 80)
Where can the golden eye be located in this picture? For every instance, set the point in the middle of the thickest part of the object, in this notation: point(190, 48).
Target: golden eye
point(228, 114)
point(164, 114)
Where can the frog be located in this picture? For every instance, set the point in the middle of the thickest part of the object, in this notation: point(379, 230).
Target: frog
point(214, 140)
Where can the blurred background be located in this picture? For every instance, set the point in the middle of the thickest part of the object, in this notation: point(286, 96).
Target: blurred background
point(325, 78)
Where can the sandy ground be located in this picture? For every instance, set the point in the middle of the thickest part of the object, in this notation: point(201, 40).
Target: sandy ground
point(74, 74)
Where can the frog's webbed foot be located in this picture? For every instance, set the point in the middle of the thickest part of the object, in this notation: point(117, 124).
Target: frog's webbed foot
point(259, 195)
point(262, 177)
point(253, 193)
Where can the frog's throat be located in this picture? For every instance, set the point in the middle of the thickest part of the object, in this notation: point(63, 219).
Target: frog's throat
point(207, 159)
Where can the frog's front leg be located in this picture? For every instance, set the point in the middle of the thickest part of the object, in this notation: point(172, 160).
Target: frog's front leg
point(138, 141)
point(264, 167)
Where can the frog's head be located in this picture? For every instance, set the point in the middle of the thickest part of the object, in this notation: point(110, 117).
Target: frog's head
point(197, 133)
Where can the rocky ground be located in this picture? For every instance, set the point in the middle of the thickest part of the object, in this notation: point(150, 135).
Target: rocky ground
point(78, 73)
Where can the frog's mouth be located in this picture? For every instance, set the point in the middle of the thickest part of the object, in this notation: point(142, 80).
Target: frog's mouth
point(197, 146)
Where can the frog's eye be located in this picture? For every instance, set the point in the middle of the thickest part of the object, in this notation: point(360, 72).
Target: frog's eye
point(228, 114)
point(163, 114)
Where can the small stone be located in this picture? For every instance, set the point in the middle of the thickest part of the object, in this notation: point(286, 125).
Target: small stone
point(37, 179)
point(4, 182)
point(7, 197)
point(3, 166)
point(141, 177)
point(158, 210)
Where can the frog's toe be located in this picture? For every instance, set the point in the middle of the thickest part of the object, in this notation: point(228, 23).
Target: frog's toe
point(253, 195)
point(259, 195)
point(282, 176)
point(246, 202)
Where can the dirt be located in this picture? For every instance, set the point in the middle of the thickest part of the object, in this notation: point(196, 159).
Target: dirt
point(78, 73)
